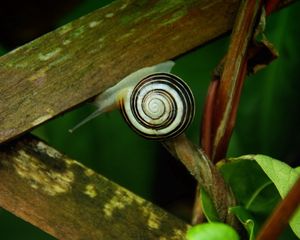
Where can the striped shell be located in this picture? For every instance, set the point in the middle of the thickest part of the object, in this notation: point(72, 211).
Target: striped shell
point(159, 107)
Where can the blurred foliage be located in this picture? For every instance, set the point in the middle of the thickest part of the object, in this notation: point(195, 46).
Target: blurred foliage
point(268, 123)
point(269, 113)
point(212, 231)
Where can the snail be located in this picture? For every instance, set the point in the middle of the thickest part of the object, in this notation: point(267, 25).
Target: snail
point(159, 106)
point(155, 103)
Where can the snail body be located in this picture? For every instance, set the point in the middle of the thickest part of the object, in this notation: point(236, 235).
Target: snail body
point(156, 104)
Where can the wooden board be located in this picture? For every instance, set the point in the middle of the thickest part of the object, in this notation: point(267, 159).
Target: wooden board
point(70, 201)
point(65, 67)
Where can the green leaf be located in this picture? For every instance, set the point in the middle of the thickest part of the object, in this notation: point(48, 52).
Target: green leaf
point(252, 188)
point(255, 193)
point(246, 219)
point(283, 177)
point(209, 209)
point(212, 231)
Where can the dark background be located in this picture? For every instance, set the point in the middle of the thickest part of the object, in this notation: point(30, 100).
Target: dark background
point(268, 117)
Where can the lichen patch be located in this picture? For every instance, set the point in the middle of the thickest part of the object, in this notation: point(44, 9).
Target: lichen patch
point(90, 190)
point(178, 232)
point(66, 42)
point(72, 162)
point(126, 35)
point(101, 40)
point(89, 172)
point(78, 32)
point(123, 6)
point(39, 176)
point(49, 55)
point(153, 221)
point(21, 65)
point(40, 75)
point(119, 201)
point(60, 60)
point(94, 24)
point(66, 28)
point(111, 206)
point(109, 15)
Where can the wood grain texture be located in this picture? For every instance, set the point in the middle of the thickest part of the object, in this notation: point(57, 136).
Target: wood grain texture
point(70, 201)
point(64, 68)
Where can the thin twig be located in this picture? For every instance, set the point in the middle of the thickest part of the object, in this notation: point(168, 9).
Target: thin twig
point(205, 143)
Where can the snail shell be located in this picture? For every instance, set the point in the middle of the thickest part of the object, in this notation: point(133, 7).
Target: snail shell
point(156, 105)
point(159, 107)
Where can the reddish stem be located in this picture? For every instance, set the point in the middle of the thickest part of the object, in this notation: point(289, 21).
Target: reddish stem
point(271, 5)
point(224, 95)
point(283, 212)
point(222, 147)
point(232, 78)
point(207, 119)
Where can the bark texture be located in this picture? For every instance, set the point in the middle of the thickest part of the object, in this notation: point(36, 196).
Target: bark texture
point(64, 68)
point(70, 201)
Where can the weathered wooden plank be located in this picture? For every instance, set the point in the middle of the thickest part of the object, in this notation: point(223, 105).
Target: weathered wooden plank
point(70, 201)
point(81, 59)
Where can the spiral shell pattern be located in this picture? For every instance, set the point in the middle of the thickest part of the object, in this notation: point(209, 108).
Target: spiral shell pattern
point(159, 107)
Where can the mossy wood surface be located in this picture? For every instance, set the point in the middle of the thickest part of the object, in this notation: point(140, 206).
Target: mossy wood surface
point(65, 67)
point(70, 201)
